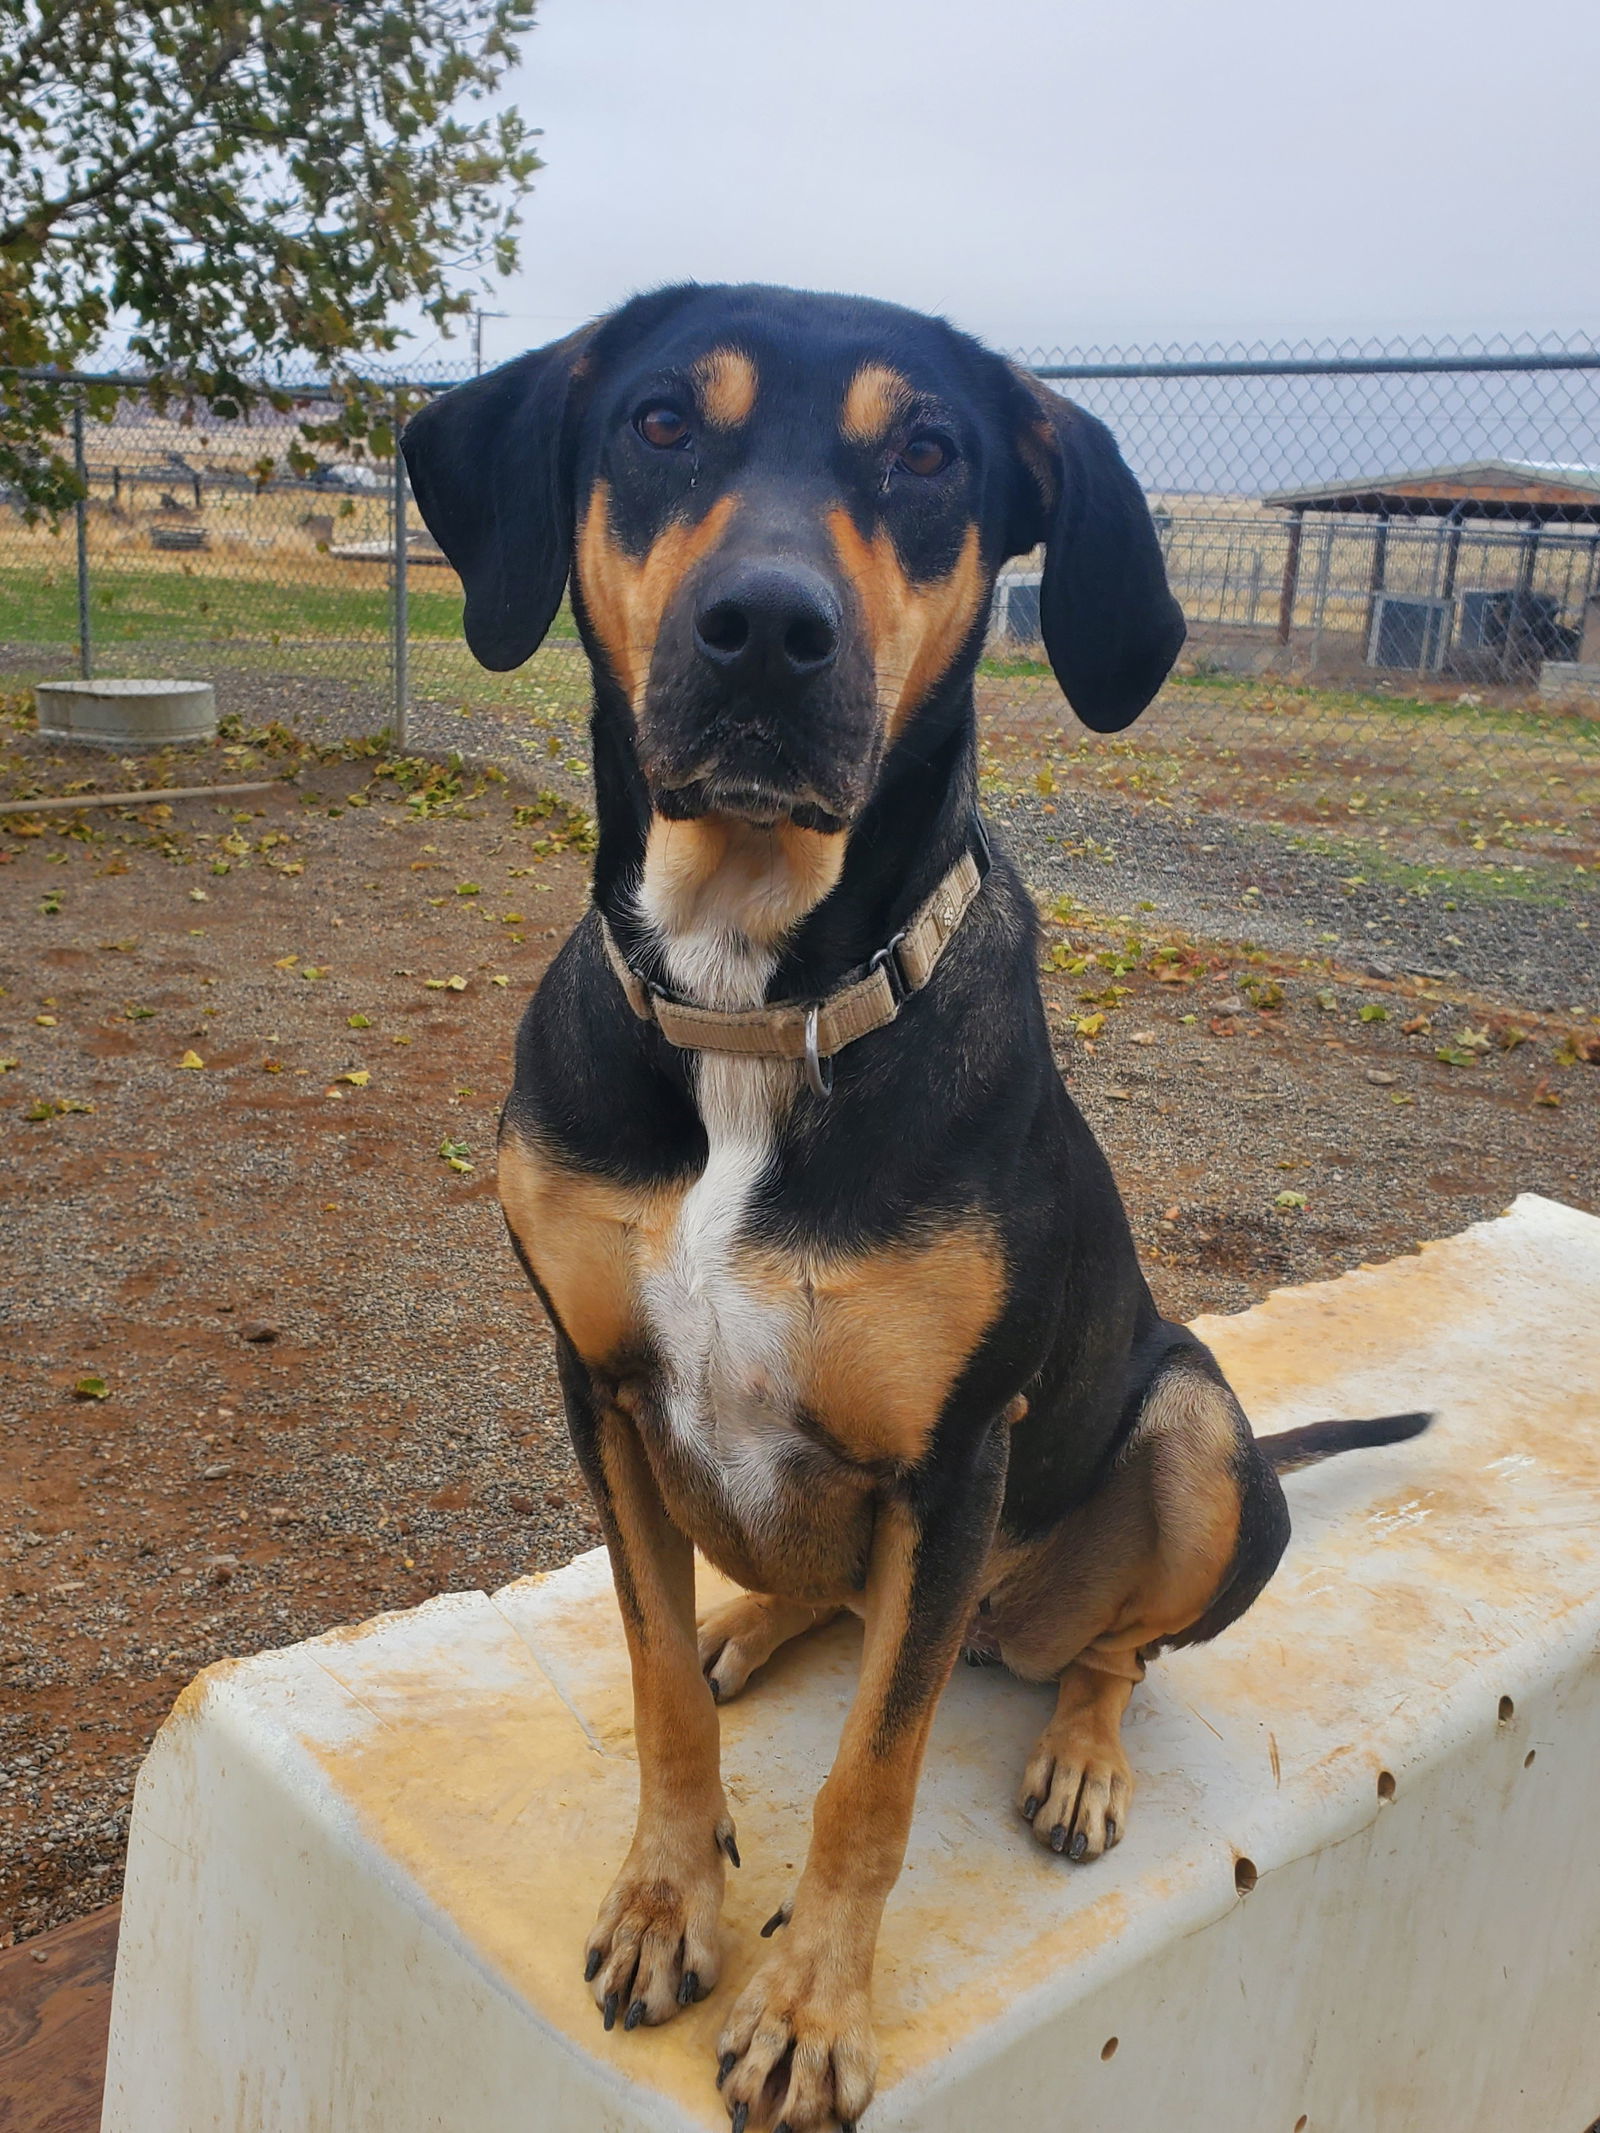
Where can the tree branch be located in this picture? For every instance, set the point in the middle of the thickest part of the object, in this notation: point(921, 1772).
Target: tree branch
point(47, 213)
point(50, 20)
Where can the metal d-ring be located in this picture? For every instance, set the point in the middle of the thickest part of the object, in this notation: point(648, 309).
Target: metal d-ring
point(819, 1071)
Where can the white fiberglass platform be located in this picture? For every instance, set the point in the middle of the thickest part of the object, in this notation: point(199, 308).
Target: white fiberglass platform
point(1360, 1890)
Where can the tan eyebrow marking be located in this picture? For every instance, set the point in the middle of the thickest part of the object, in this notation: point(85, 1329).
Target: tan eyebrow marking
point(875, 397)
point(726, 381)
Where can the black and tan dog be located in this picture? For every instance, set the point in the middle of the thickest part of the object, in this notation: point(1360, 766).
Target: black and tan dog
point(843, 1291)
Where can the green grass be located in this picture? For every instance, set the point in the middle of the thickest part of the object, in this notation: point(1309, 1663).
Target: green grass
point(1268, 694)
point(171, 606)
point(1548, 882)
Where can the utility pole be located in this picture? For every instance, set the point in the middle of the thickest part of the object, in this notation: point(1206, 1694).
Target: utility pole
point(478, 318)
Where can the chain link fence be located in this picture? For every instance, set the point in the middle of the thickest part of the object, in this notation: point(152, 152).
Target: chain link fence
point(1383, 739)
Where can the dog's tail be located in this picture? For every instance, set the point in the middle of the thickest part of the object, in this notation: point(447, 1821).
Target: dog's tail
point(1296, 1448)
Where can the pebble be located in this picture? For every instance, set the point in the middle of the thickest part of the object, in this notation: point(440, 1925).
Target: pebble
point(1381, 1079)
point(217, 1471)
point(258, 1331)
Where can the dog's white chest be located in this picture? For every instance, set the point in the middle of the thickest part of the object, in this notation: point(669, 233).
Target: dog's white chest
point(727, 1340)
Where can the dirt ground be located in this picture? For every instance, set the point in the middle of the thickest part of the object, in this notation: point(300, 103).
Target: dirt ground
point(269, 1363)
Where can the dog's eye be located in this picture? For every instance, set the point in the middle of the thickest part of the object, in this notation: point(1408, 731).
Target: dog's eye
point(662, 427)
point(925, 453)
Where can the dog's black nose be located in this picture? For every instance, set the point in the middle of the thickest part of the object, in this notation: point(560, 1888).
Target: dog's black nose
point(769, 622)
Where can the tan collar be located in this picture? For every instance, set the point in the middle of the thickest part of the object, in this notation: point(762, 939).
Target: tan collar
point(814, 1030)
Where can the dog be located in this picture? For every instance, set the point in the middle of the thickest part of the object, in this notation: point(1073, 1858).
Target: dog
point(842, 1290)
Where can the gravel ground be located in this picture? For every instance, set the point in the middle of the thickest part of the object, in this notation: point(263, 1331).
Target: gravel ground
point(271, 1364)
point(1226, 878)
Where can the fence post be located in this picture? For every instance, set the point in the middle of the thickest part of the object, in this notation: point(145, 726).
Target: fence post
point(402, 619)
point(1291, 575)
point(81, 513)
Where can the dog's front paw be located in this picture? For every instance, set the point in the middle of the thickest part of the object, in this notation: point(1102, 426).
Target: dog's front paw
point(797, 2051)
point(1077, 1786)
point(655, 1945)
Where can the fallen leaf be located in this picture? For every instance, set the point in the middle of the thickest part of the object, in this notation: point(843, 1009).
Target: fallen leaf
point(198, 896)
point(8, 1065)
point(91, 1389)
point(1544, 1094)
point(445, 984)
point(468, 888)
point(272, 1066)
point(499, 981)
point(1374, 1011)
point(1290, 1199)
point(358, 1022)
point(1456, 1055)
point(191, 1059)
point(358, 1077)
point(1266, 993)
point(1090, 1025)
point(1416, 1026)
point(314, 970)
point(1222, 1026)
point(286, 962)
point(45, 1021)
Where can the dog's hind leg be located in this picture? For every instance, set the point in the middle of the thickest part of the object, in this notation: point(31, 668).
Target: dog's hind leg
point(743, 1634)
point(1175, 1544)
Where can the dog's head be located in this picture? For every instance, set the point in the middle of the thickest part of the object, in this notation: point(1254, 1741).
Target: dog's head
point(782, 516)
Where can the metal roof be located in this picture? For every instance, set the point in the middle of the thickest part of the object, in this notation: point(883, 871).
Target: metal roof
point(1480, 488)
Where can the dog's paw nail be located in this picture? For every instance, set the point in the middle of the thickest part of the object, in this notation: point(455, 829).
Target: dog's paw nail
point(634, 2015)
point(1078, 1846)
point(715, 1688)
point(591, 1968)
point(783, 2126)
point(1030, 1807)
point(1111, 1830)
point(732, 1851)
point(608, 2013)
point(779, 1917)
point(1058, 1838)
point(689, 1989)
point(741, 2113)
point(725, 2066)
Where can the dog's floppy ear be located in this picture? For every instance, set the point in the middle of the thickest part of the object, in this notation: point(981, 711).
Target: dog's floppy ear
point(490, 467)
point(1111, 627)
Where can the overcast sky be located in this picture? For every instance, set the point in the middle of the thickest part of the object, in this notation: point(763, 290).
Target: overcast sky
point(1053, 171)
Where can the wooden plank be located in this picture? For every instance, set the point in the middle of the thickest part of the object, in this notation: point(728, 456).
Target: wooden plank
point(71, 800)
point(55, 2010)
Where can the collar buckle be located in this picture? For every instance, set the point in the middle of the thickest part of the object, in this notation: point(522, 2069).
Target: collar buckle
point(887, 960)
